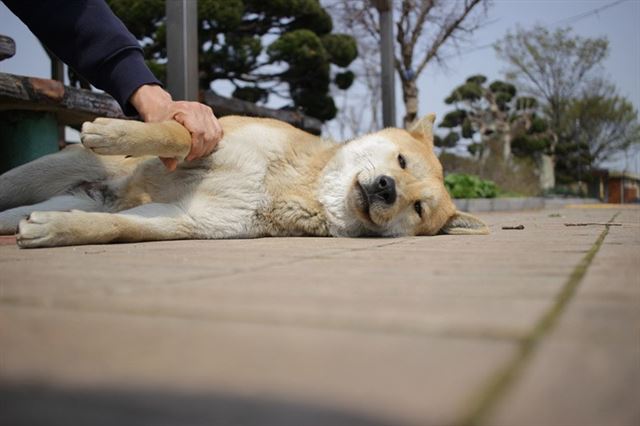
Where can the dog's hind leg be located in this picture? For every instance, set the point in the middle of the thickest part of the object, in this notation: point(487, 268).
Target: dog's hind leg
point(56, 174)
point(149, 222)
point(108, 136)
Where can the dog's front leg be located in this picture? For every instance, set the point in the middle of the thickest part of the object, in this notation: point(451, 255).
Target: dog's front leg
point(150, 222)
point(109, 136)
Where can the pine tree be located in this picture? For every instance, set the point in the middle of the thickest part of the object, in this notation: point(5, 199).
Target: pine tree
point(264, 48)
point(494, 121)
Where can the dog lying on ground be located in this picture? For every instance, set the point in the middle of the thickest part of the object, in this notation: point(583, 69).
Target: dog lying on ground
point(266, 178)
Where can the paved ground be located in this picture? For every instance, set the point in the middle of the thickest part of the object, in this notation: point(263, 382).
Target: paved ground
point(539, 326)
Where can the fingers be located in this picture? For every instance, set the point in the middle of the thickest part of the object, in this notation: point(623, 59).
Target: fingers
point(205, 129)
point(156, 105)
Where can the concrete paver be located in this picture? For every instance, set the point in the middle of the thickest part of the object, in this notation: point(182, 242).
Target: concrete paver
point(352, 372)
point(592, 358)
point(326, 331)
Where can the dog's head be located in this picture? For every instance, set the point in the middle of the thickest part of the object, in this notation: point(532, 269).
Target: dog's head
point(390, 183)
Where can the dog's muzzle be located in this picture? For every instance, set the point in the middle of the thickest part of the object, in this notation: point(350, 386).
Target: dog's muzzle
point(382, 190)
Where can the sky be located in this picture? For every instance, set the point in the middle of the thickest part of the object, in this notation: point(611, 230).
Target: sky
point(620, 23)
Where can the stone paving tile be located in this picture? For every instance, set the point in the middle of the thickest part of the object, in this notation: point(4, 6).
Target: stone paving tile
point(586, 374)
point(404, 330)
point(587, 371)
point(405, 379)
point(481, 285)
point(614, 272)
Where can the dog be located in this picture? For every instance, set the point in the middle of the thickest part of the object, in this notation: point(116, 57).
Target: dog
point(266, 178)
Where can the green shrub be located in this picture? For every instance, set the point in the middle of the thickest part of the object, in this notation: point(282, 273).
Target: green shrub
point(469, 186)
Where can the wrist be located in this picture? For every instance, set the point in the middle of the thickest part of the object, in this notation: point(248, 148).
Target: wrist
point(152, 102)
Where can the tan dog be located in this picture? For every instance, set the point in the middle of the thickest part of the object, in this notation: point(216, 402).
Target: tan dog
point(266, 178)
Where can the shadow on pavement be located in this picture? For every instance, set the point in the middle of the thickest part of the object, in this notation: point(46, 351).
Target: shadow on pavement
point(34, 405)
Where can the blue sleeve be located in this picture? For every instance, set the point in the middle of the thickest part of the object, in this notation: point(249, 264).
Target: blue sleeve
point(86, 35)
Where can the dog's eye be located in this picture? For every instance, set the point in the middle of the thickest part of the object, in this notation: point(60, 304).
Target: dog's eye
point(418, 208)
point(402, 161)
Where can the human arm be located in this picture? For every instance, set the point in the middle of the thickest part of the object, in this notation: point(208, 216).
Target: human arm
point(86, 35)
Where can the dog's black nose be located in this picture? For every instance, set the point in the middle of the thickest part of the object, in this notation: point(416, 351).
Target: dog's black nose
point(384, 188)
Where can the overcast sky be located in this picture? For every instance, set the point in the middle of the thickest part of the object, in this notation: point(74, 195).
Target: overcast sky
point(620, 23)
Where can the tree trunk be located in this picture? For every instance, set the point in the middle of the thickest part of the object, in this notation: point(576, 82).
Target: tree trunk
point(546, 172)
point(506, 148)
point(410, 97)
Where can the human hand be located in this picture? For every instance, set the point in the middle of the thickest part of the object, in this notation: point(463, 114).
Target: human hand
point(154, 104)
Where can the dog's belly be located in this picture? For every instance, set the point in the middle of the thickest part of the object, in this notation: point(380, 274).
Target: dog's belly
point(233, 175)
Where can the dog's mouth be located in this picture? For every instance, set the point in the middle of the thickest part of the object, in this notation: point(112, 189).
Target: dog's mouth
point(364, 204)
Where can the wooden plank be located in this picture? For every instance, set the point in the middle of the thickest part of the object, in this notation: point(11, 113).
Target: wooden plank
point(7, 47)
point(72, 106)
point(228, 106)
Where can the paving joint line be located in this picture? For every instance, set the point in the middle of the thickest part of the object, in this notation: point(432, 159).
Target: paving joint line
point(344, 325)
point(328, 255)
point(496, 388)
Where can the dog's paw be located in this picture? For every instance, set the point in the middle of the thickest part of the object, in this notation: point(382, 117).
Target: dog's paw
point(108, 136)
point(43, 229)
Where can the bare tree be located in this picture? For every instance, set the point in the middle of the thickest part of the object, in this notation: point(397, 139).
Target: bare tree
point(553, 65)
point(601, 124)
point(424, 31)
point(358, 110)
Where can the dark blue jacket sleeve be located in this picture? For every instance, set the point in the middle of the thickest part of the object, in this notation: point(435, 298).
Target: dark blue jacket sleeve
point(86, 35)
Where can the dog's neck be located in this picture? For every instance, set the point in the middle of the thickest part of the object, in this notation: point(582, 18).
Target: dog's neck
point(294, 208)
point(308, 191)
point(335, 182)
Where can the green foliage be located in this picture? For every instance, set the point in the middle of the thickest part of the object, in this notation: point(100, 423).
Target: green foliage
point(525, 144)
point(467, 129)
point(538, 125)
point(299, 47)
point(474, 148)
point(478, 79)
point(503, 99)
point(450, 140)
point(322, 105)
point(502, 87)
point(525, 102)
point(344, 80)
point(502, 118)
point(470, 91)
point(342, 48)
point(250, 94)
point(503, 92)
point(469, 186)
point(263, 47)
point(596, 126)
point(454, 118)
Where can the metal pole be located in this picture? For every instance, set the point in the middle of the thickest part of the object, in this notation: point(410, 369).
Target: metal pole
point(182, 49)
point(387, 58)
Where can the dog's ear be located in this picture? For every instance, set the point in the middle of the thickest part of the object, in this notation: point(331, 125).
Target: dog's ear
point(464, 224)
point(423, 128)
